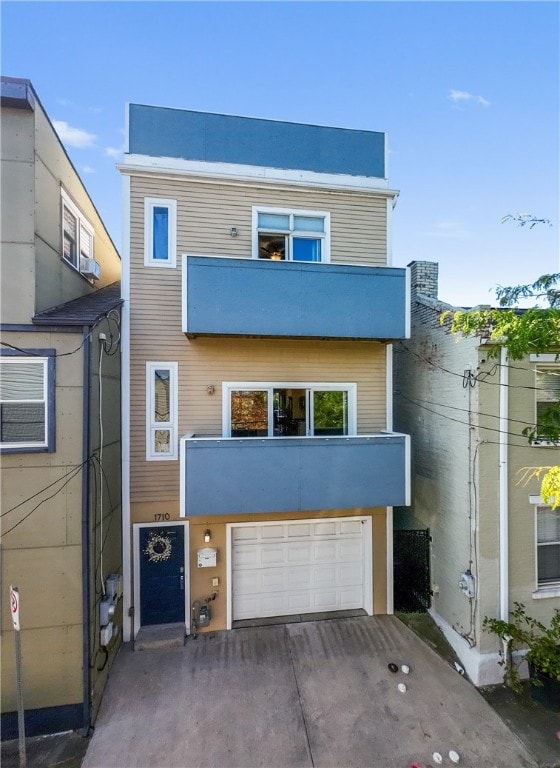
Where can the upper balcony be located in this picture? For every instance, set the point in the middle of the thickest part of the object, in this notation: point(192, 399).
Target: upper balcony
point(225, 296)
point(222, 476)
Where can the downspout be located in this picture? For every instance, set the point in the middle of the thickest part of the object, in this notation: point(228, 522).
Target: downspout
point(85, 529)
point(503, 487)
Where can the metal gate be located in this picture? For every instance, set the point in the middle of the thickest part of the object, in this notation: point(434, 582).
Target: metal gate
point(411, 571)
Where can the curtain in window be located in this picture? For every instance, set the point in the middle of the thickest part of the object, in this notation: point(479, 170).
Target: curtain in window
point(306, 249)
point(161, 233)
point(548, 545)
point(22, 402)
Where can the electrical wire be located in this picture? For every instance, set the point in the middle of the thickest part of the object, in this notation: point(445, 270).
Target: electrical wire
point(465, 423)
point(481, 377)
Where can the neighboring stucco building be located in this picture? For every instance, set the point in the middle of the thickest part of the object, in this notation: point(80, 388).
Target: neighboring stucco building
point(260, 466)
point(493, 540)
point(60, 426)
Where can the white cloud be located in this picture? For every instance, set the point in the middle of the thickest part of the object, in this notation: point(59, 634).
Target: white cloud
point(88, 169)
point(458, 97)
point(74, 137)
point(113, 151)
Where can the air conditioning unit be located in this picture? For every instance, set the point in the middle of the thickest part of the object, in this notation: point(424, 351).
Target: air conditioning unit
point(90, 268)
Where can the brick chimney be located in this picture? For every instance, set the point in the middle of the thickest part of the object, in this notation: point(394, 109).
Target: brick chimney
point(424, 278)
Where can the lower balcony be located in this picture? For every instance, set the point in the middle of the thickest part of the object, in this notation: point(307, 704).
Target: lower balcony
point(225, 476)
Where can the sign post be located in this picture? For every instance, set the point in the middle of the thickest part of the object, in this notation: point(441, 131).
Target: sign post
point(14, 608)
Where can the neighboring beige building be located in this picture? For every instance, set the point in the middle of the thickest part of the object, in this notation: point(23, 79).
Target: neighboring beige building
point(493, 540)
point(260, 466)
point(60, 426)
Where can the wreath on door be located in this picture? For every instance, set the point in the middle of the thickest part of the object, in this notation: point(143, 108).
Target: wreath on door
point(158, 548)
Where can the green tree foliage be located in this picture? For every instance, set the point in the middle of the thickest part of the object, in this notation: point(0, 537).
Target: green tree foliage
point(523, 332)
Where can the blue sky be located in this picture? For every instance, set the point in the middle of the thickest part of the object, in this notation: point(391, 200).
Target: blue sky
point(468, 93)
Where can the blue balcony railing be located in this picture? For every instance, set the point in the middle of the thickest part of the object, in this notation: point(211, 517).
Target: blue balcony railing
point(251, 297)
point(223, 476)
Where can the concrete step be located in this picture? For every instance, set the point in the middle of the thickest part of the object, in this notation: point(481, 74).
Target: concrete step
point(160, 636)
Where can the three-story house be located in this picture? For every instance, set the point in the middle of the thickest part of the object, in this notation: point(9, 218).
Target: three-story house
point(260, 306)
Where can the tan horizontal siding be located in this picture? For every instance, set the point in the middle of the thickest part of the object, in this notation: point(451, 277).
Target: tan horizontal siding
point(207, 211)
point(207, 361)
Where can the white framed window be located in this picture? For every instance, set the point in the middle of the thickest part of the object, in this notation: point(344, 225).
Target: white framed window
point(285, 409)
point(547, 394)
point(284, 234)
point(27, 402)
point(160, 232)
point(548, 547)
point(78, 237)
point(161, 411)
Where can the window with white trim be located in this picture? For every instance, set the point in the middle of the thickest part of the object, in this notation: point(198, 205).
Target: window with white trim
point(26, 403)
point(161, 411)
point(288, 410)
point(283, 234)
point(548, 547)
point(77, 237)
point(160, 232)
point(547, 395)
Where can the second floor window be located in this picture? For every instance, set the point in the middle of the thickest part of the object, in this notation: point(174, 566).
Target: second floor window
point(26, 403)
point(77, 234)
point(289, 410)
point(291, 235)
point(161, 411)
point(548, 396)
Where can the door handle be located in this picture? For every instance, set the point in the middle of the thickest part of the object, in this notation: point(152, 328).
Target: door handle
point(182, 578)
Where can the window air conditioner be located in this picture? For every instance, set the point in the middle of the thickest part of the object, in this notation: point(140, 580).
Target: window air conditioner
point(89, 268)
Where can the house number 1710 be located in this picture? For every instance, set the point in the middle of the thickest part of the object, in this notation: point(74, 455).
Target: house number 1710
point(159, 516)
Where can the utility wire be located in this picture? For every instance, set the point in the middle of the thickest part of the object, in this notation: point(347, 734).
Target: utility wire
point(481, 377)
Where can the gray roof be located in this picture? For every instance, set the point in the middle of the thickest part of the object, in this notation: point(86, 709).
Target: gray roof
point(85, 310)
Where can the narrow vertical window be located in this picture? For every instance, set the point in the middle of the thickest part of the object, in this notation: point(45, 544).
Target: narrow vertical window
point(161, 411)
point(160, 226)
point(70, 237)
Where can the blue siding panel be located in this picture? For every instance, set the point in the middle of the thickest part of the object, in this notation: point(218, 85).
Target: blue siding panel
point(214, 138)
point(233, 476)
point(268, 298)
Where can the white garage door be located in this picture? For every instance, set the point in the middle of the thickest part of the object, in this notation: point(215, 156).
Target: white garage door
point(298, 567)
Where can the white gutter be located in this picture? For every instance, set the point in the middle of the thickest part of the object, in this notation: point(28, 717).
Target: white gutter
point(503, 488)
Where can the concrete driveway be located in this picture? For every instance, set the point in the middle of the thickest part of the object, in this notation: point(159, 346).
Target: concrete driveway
point(309, 694)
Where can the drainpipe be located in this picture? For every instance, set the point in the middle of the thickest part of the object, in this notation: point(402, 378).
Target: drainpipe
point(85, 530)
point(503, 487)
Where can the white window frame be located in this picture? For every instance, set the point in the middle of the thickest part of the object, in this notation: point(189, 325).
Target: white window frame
point(233, 386)
point(82, 223)
point(151, 424)
point(551, 589)
point(545, 363)
point(47, 400)
point(160, 202)
point(324, 237)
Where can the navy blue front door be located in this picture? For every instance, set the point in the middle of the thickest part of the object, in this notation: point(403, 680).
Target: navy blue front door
point(162, 574)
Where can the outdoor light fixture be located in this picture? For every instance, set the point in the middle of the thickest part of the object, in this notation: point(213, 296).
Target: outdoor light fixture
point(210, 389)
point(233, 231)
point(207, 536)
